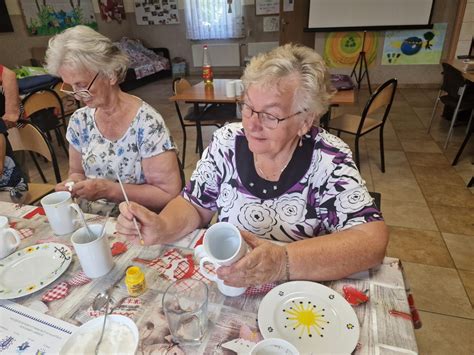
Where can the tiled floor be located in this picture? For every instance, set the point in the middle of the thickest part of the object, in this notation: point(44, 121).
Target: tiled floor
point(424, 200)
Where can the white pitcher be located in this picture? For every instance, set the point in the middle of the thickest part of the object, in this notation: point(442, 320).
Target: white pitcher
point(9, 238)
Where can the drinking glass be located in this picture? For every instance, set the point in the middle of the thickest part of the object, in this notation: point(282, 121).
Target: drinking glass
point(185, 307)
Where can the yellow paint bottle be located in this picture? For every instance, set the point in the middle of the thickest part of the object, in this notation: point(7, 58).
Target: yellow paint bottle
point(135, 281)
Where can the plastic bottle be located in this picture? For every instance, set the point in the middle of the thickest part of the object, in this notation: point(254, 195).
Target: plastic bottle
point(135, 281)
point(207, 74)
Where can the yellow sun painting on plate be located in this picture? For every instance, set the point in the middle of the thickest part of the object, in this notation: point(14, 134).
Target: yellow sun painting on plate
point(305, 318)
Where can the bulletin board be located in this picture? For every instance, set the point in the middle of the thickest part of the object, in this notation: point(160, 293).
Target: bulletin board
point(157, 12)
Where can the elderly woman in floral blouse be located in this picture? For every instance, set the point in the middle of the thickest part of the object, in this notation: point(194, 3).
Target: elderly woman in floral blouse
point(115, 133)
point(277, 176)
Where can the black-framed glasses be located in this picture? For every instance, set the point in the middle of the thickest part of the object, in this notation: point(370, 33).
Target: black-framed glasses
point(79, 94)
point(267, 119)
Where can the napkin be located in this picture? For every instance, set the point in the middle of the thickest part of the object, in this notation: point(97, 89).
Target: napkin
point(61, 290)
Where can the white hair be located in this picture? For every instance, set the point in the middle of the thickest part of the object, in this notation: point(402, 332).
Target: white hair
point(82, 48)
point(293, 62)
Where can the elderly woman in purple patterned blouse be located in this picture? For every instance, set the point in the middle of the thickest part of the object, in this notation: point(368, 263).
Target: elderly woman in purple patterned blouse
point(277, 177)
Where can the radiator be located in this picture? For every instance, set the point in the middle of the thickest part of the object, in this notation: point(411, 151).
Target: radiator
point(222, 54)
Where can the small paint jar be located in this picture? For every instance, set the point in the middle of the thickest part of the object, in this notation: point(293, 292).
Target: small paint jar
point(135, 281)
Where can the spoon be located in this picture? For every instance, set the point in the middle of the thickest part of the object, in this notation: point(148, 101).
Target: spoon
point(100, 300)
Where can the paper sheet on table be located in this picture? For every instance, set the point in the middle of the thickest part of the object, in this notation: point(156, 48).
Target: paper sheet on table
point(25, 331)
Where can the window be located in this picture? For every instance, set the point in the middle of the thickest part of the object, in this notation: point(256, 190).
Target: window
point(210, 19)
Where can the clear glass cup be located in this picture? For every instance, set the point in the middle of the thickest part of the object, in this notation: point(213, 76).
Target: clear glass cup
point(185, 307)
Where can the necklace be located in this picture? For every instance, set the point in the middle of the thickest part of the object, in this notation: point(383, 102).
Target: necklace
point(265, 176)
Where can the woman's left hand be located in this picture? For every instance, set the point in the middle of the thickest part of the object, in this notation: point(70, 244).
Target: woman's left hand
point(92, 189)
point(265, 263)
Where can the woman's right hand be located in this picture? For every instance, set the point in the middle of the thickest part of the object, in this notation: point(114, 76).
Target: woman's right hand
point(149, 223)
point(64, 185)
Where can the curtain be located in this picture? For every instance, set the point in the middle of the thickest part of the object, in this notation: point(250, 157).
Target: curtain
point(210, 19)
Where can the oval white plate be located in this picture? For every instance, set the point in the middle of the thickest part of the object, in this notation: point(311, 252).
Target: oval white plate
point(32, 268)
point(95, 325)
point(312, 317)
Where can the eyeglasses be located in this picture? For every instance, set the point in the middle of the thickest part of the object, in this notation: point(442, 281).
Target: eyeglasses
point(79, 94)
point(267, 119)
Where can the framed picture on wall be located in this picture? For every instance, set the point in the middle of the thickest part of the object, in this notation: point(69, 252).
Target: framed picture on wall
point(267, 7)
point(5, 23)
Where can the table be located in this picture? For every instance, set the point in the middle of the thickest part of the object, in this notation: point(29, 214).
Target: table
point(381, 333)
point(216, 94)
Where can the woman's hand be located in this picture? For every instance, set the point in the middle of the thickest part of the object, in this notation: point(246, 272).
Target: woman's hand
point(265, 263)
point(148, 222)
point(64, 185)
point(92, 189)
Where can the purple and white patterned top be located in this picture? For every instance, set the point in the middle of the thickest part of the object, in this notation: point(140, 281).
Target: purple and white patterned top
point(319, 192)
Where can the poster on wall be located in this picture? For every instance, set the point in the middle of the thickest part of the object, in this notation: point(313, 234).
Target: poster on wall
point(5, 23)
point(267, 7)
point(342, 49)
point(414, 46)
point(271, 24)
point(157, 12)
point(112, 10)
point(49, 17)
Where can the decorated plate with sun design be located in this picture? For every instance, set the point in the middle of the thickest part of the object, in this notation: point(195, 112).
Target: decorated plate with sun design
point(312, 317)
point(32, 268)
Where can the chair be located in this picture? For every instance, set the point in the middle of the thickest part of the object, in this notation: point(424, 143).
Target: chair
point(361, 125)
point(210, 115)
point(44, 108)
point(459, 94)
point(30, 138)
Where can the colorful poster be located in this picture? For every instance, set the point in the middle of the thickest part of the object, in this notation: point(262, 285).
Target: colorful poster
point(342, 48)
point(157, 12)
point(49, 17)
point(112, 10)
point(414, 46)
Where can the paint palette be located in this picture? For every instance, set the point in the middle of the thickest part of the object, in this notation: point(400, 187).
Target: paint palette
point(312, 317)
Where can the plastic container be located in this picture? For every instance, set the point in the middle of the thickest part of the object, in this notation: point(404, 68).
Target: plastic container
point(135, 281)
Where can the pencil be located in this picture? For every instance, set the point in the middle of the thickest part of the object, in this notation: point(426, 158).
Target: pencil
point(142, 242)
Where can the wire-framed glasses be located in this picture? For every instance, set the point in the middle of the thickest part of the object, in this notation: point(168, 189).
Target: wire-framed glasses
point(267, 119)
point(81, 93)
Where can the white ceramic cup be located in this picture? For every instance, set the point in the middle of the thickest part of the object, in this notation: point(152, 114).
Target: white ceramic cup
point(61, 211)
point(9, 238)
point(95, 256)
point(222, 246)
point(274, 346)
point(230, 88)
point(239, 87)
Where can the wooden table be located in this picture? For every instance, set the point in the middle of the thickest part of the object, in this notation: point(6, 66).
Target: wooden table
point(380, 333)
point(459, 65)
point(216, 94)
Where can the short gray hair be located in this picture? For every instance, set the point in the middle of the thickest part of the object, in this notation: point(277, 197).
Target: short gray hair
point(294, 61)
point(81, 47)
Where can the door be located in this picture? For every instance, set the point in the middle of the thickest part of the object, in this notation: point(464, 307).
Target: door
point(293, 22)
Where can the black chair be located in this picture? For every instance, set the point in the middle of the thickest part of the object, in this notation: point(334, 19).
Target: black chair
point(209, 115)
point(361, 125)
point(44, 108)
point(458, 94)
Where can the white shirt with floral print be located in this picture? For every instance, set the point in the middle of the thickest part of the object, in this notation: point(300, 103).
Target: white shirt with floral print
point(147, 136)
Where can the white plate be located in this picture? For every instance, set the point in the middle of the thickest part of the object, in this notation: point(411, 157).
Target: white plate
point(32, 268)
point(85, 338)
point(312, 317)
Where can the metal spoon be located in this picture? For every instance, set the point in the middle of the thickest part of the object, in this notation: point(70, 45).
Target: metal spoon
point(99, 301)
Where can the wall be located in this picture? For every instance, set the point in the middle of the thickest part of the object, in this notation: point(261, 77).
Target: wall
point(174, 38)
point(426, 75)
point(466, 34)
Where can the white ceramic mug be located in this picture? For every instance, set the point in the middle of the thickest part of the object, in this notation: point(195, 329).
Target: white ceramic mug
point(95, 256)
point(61, 211)
point(274, 346)
point(9, 238)
point(239, 87)
point(230, 88)
point(222, 246)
